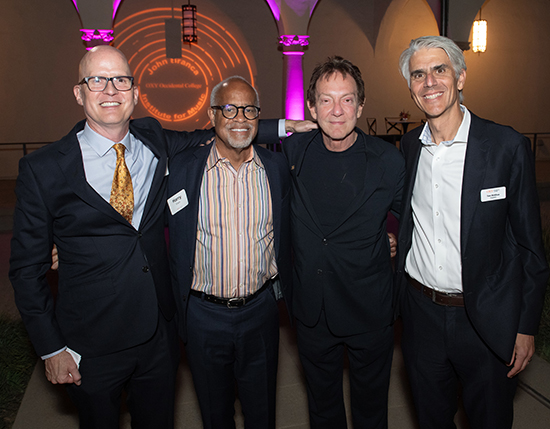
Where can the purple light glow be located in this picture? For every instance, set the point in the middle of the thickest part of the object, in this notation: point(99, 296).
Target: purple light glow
point(89, 35)
point(116, 4)
point(96, 37)
point(294, 104)
point(299, 7)
point(293, 40)
point(274, 9)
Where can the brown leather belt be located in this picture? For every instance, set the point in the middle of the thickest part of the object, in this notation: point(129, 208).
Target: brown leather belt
point(441, 298)
point(232, 302)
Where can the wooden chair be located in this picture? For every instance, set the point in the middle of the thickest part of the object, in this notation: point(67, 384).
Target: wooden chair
point(393, 125)
point(371, 126)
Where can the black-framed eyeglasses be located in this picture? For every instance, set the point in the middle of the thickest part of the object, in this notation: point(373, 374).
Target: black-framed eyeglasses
point(230, 111)
point(99, 83)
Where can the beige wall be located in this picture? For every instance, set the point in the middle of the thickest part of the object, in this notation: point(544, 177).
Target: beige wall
point(41, 48)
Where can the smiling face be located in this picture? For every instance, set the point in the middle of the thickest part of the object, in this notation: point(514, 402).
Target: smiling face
point(107, 112)
point(434, 86)
point(336, 110)
point(236, 133)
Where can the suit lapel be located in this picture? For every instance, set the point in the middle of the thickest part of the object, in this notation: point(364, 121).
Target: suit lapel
point(148, 138)
point(300, 188)
point(274, 181)
point(475, 164)
point(412, 156)
point(72, 167)
point(192, 171)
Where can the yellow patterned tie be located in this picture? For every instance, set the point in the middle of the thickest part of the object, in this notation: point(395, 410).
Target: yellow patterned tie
point(122, 191)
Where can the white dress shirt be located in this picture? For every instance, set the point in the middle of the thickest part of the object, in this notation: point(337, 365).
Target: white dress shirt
point(434, 258)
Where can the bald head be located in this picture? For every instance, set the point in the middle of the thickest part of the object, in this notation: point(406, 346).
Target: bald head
point(216, 97)
point(99, 54)
point(107, 111)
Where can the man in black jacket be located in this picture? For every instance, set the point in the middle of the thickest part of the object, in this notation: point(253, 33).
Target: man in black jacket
point(470, 263)
point(344, 184)
point(112, 325)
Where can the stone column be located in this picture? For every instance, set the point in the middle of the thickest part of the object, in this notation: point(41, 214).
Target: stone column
point(293, 51)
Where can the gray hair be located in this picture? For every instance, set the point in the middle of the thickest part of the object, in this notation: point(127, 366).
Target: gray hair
point(455, 54)
point(216, 89)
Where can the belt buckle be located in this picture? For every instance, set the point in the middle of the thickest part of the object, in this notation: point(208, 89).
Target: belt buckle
point(434, 297)
point(236, 302)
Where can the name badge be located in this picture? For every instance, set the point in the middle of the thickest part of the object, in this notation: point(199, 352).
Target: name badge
point(493, 194)
point(177, 202)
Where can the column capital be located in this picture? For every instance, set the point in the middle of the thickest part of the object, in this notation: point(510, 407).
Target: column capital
point(294, 40)
point(96, 37)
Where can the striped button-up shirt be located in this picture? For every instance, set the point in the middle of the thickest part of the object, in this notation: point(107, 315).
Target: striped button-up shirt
point(234, 253)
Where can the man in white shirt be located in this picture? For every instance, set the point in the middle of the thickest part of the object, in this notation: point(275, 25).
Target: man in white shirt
point(471, 263)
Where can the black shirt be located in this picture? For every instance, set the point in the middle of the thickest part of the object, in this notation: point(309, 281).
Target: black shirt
point(333, 179)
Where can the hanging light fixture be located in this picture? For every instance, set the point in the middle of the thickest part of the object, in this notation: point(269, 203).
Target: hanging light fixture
point(189, 21)
point(479, 38)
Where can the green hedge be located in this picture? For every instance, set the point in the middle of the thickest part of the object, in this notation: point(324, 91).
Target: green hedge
point(17, 361)
point(542, 340)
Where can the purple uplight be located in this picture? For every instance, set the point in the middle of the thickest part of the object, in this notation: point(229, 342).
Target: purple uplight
point(105, 35)
point(116, 4)
point(274, 9)
point(294, 104)
point(293, 40)
point(94, 37)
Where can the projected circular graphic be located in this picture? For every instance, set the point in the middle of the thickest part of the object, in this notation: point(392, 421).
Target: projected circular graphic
point(176, 91)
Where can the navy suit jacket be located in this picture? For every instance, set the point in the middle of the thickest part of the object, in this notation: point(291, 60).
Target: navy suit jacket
point(346, 271)
point(112, 277)
point(504, 268)
point(186, 172)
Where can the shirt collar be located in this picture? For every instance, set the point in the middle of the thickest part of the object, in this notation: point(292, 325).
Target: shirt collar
point(100, 144)
point(460, 137)
point(214, 158)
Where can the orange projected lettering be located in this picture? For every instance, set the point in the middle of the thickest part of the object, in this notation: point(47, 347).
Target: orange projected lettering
point(172, 89)
point(176, 91)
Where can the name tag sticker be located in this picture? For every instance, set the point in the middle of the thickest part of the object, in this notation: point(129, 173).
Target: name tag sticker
point(493, 194)
point(177, 202)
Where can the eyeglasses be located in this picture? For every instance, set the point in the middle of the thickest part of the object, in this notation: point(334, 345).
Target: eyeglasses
point(99, 83)
point(230, 111)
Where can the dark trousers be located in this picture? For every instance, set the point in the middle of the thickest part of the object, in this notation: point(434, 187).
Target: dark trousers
point(234, 346)
point(441, 348)
point(322, 357)
point(148, 374)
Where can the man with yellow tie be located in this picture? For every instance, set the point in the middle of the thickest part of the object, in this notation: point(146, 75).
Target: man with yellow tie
point(99, 195)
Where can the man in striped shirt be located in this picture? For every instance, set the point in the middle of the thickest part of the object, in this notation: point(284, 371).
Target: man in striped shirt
point(230, 256)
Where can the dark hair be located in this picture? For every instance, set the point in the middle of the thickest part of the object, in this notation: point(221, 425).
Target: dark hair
point(328, 68)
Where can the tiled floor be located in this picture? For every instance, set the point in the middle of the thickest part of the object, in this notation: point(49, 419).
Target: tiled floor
point(46, 406)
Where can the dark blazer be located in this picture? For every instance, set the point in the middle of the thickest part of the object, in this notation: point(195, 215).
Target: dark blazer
point(112, 278)
point(348, 270)
point(186, 172)
point(504, 268)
